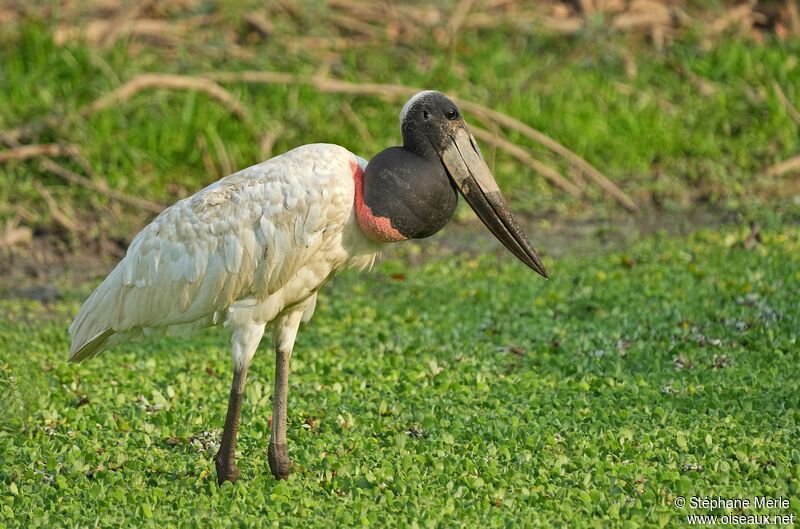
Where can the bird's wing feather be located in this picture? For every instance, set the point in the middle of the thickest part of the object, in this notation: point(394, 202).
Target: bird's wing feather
point(243, 236)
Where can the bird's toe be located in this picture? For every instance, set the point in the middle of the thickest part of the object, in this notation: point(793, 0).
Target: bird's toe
point(226, 470)
point(279, 462)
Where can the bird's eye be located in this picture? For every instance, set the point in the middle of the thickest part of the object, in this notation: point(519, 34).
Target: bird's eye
point(425, 114)
point(451, 114)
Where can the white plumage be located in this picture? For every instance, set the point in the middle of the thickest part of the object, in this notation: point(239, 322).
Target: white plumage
point(244, 250)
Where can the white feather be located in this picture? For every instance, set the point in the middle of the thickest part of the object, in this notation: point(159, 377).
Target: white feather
point(237, 252)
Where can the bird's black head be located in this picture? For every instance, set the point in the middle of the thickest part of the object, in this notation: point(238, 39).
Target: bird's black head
point(413, 186)
point(428, 121)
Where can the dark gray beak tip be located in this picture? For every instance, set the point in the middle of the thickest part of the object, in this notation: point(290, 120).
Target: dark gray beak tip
point(537, 266)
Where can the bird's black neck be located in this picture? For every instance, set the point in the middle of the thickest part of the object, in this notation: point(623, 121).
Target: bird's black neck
point(409, 187)
point(415, 141)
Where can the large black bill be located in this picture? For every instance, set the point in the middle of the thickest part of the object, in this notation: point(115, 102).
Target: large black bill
point(472, 176)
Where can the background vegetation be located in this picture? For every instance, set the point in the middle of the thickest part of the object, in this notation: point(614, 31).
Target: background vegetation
point(660, 361)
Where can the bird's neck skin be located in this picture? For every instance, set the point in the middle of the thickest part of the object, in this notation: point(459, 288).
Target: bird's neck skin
point(404, 193)
point(376, 228)
point(416, 142)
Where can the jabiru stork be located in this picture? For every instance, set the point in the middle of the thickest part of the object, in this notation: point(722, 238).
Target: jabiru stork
point(254, 248)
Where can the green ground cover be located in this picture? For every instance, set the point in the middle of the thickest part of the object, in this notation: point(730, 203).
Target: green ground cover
point(465, 392)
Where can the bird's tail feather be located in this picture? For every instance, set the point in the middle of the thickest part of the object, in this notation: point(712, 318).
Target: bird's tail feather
point(93, 326)
point(92, 347)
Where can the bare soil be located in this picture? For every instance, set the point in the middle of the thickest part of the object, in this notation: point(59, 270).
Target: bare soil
point(47, 266)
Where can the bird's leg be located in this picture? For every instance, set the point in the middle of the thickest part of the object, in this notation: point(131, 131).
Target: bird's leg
point(225, 460)
point(279, 462)
point(245, 341)
point(285, 332)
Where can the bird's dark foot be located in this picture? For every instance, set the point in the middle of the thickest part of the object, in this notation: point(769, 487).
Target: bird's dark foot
point(279, 462)
point(226, 470)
